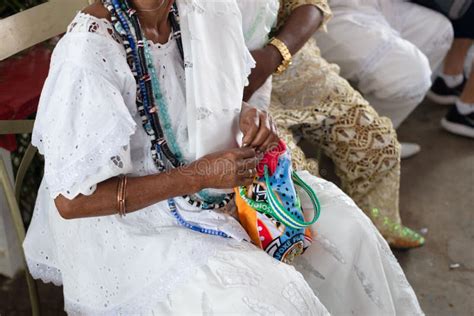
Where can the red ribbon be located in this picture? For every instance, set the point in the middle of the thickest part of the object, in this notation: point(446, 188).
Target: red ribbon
point(270, 159)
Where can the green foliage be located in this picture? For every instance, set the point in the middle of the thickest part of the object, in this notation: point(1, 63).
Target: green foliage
point(10, 7)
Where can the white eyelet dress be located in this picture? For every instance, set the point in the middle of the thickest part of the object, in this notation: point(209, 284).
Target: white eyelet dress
point(88, 130)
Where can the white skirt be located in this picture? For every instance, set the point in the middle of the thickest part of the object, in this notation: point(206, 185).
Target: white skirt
point(349, 270)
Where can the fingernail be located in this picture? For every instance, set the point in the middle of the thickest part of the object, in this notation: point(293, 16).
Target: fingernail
point(245, 145)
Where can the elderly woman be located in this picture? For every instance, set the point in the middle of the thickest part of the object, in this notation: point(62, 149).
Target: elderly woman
point(139, 118)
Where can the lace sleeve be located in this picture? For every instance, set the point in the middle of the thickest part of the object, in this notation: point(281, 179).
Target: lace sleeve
point(83, 125)
point(288, 6)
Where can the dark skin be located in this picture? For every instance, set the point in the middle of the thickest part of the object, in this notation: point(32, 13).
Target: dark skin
point(222, 170)
point(300, 26)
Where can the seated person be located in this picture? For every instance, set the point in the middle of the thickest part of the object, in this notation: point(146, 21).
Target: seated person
point(142, 107)
point(311, 100)
point(388, 49)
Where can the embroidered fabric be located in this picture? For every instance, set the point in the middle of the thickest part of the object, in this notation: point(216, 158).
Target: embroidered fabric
point(145, 263)
point(87, 130)
point(156, 291)
point(338, 119)
point(351, 263)
point(78, 134)
point(72, 181)
point(44, 272)
point(85, 23)
point(383, 275)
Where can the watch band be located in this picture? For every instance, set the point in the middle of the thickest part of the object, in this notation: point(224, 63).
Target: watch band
point(285, 54)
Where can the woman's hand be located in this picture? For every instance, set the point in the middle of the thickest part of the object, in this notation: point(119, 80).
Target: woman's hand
point(226, 169)
point(258, 129)
point(267, 61)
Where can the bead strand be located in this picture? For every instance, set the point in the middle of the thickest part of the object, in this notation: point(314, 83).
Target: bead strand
point(184, 223)
point(149, 93)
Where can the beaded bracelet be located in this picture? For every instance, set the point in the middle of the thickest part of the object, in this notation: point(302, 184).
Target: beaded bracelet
point(122, 195)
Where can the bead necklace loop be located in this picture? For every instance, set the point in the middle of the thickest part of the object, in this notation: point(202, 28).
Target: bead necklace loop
point(151, 104)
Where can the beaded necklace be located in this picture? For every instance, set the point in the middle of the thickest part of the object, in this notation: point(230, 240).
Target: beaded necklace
point(125, 22)
point(162, 108)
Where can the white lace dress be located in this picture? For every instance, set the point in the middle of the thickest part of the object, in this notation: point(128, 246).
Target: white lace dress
point(145, 263)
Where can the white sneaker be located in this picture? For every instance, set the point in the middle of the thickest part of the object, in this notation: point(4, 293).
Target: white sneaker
point(409, 150)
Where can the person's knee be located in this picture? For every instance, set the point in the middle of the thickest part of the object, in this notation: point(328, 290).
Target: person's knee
point(446, 36)
point(442, 33)
point(404, 76)
point(439, 37)
point(358, 226)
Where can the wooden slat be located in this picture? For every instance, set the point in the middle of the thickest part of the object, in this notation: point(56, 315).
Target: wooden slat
point(35, 25)
point(20, 231)
point(23, 169)
point(16, 126)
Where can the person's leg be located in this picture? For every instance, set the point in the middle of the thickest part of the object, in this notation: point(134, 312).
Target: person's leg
point(350, 263)
point(460, 118)
point(451, 86)
point(454, 67)
point(430, 31)
point(298, 158)
point(392, 73)
point(450, 82)
point(467, 95)
point(454, 62)
point(242, 280)
point(313, 100)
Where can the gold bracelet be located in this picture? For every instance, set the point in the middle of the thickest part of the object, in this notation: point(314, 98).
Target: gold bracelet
point(122, 195)
point(285, 54)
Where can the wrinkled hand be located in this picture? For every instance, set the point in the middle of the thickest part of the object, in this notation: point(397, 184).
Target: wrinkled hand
point(226, 169)
point(267, 61)
point(258, 129)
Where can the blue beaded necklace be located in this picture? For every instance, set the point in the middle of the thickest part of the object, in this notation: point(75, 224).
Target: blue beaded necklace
point(149, 95)
point(162, 108)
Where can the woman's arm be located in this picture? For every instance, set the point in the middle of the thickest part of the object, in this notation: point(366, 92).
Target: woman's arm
point(222, 170)
point(295, 32)
point(299, 27)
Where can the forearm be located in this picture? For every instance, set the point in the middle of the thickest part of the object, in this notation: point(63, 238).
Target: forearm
point(295, 32)
point(299, 27)
point(141, 192)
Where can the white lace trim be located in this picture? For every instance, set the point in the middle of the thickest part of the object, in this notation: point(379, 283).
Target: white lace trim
point(146, 297)
point(86, 23)
point(78, 170)
point(44, 272)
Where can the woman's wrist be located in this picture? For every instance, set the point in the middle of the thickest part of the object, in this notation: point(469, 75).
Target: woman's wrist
point(274, 55)
point(192, 178)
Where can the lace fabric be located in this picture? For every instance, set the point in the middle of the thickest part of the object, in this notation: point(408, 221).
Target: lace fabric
point(142, 263)
point(84, 118)
point(88, 130)
point(44, 272)
point(85, 23)
point(67, 180)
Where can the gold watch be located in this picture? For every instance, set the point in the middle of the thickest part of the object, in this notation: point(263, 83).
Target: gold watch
point(285, 53)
